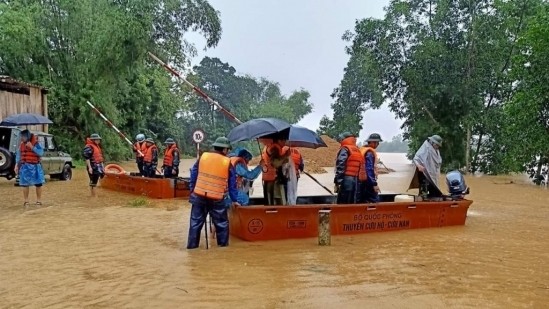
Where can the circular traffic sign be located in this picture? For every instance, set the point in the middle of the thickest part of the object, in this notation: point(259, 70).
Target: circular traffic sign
point(198, 136)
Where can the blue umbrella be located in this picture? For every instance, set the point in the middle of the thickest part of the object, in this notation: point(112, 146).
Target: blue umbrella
point(256, 128)
point(24, 119)
point(303, 137)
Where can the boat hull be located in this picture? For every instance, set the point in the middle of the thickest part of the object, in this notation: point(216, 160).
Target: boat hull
point(257, 223)
point(161, 188)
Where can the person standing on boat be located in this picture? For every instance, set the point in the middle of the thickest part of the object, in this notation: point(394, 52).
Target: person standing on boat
point(28, 166)
point(349, 165)
point(171, 159)
point(140, 147)
point(212, 177)
point(240, 159)
point(428, 162)
point(150, 160)
point(273, 178)
point(93, 154)
point(369, 189)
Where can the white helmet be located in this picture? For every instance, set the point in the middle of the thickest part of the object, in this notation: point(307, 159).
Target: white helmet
point(140, 137)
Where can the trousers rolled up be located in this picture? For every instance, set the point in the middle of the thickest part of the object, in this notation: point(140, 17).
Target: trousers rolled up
point(217, 210)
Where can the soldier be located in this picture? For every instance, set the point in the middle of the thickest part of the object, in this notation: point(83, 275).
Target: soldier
point(369, 189)
point(171, 159)
point(428, 161)
point(94, 161)
point(139, 148)
point(212, 177)
point(150, 160)
point(349, 165)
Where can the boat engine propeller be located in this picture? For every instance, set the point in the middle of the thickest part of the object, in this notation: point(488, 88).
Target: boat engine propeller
point(456, 185)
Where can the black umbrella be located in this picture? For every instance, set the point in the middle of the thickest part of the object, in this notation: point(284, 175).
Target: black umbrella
point(24, 119)
point(255, 128)
point(303, 137)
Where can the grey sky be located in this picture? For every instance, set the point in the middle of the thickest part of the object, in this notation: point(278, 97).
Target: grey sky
point(296, 43)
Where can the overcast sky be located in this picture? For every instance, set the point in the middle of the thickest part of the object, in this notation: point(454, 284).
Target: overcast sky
point(298, 44)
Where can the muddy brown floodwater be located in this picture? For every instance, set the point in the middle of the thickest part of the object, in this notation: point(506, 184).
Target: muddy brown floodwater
point(76, 252)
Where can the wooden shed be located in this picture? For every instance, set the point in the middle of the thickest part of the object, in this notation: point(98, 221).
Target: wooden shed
point(21, 97)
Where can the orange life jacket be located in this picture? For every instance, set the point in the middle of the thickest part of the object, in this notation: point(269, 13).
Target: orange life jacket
point(269, 171)
point(364, 150)
point(168, 155)
point(355, 162)
point(213, 176)
point(149, 154)
point(140, 146)
point(27, 155)
point(235, 161)
point(97, 155)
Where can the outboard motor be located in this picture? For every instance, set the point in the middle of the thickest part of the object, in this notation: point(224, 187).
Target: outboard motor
point(456, 185)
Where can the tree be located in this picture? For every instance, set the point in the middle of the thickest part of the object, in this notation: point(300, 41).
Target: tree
point(397, 144)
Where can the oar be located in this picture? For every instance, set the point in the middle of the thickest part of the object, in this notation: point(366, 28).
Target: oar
point(318, 182)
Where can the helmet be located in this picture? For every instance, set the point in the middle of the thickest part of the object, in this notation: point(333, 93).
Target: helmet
point(95, 136)
point(222, 142)
point(169, 140)
point(140, 137)
point(344, 135)
point(374, 137)
point(149, 140)
point(436, 139)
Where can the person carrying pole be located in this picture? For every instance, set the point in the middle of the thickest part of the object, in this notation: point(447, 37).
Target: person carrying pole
point(150, 160)
point(140, 147)
point(170, 164)
point(369, 189)
point(212, 178)
point(349, 164)
point(93, 154)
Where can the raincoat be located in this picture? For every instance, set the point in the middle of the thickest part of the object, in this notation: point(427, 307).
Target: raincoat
point(429, 157)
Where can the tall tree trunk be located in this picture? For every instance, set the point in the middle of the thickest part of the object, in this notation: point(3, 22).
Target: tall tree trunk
point(468, 151)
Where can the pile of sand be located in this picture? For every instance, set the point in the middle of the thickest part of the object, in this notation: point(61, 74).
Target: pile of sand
point(316, 160)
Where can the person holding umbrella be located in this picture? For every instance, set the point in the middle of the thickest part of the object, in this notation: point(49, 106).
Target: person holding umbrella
point(212, 177)
point(349, 164)
point(28, 166)
point(93, 154)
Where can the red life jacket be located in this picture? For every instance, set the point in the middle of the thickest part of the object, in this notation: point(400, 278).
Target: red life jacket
point(97, 155)
point(149, 154)
point(140, 146)
point(355, 162)
point(27, 155)
point(234, 162)
point(168, 155)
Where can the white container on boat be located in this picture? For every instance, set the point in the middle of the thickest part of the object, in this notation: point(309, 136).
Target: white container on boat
point(404, 198)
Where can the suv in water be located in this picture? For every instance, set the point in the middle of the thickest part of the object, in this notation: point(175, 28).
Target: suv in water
point(55, 162)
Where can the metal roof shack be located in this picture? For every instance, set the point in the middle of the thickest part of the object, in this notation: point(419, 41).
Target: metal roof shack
point(21, 97)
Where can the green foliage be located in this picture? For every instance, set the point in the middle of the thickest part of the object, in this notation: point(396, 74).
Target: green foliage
point(139, 202)
point(97, 50)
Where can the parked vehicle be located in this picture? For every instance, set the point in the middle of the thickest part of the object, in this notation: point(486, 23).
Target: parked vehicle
point(55, 162)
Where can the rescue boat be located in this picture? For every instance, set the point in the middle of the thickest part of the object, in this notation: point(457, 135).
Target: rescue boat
point(393, 213)
point(158, 187)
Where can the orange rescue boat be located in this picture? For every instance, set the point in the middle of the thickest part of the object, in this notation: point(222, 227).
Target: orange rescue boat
point(256, 223)
point(157, 187)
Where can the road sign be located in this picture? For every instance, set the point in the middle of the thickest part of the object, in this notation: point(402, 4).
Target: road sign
point(198, 136)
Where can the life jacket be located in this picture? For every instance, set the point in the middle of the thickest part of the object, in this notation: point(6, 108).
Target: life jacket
point(355, 162)
point(27, 155)
point(97, 155)
point(213, 176)
point(148, 158)
point(234, 162)
point(168, 155)
point(140, 146)
point(364, 150)
point(269, 171)
point(296, 157)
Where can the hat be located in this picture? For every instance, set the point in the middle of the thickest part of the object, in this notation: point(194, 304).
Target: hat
point(169, 140)
point(222, 142)
point(244, 153)
point(344, 135)
point(149, 140)
point(374, 137)
point(95, 136)
point(140, 137)
point(436, 139)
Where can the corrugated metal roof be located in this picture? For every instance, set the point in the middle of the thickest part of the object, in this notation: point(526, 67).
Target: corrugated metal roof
point(9, 80)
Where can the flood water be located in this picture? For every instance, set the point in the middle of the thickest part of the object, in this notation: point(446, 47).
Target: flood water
point(76, 252)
